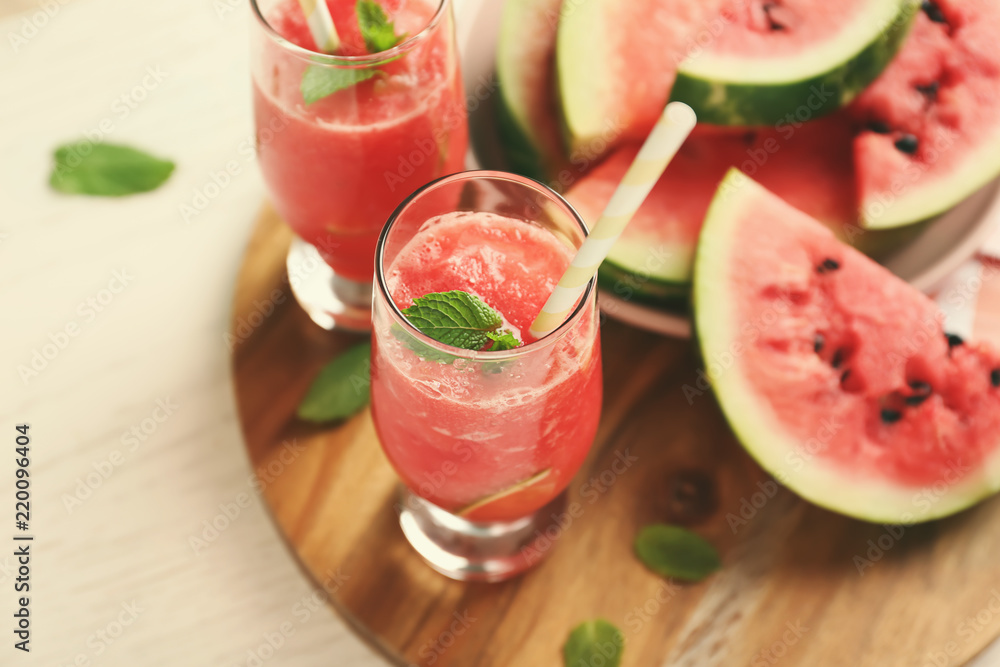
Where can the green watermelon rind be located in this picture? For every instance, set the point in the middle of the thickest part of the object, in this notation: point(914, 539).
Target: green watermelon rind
point(643, 289)
point(926, 200)
point(821, 483)
point(770, 91)
point(522, 156)
point(647, 272)
point(523, 153)
point(581, 122)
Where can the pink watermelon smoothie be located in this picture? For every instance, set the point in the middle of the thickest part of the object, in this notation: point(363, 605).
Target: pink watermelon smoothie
point(338, 167)
point(456, 433)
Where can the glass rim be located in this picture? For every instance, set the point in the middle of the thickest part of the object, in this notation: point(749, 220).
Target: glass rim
point(546, 341)
point(367, 60)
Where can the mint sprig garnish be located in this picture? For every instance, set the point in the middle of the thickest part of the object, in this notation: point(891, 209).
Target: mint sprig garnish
point(461, 320)
point(379, 34)
point(106, 170)
point(675, 552)
point(596, 642)
point(377, 30)
point(504, 340)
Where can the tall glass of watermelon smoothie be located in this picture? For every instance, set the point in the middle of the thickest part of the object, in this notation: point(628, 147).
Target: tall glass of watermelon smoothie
point(342, 139)
point(486, 441)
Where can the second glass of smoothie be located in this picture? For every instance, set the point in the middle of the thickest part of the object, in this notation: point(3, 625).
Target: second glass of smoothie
point(338, 165)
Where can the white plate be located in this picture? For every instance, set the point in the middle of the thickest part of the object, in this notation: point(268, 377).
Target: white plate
point(925, 261)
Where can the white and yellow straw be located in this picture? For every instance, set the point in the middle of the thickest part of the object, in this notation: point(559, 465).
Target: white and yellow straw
point(664, 141)
point(321, 25)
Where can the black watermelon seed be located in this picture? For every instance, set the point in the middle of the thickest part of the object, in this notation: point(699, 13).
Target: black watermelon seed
point(921, 388)
point(818, 343)
point(930, 90)
point(828, 265)
point(878, 127)
point(933, 11)
point(774, 25)
point(995, 377)
point(847, 374)
point(953, 340)
point(891, 416)
point(916, 400)
point(908, 144)
point(838, 359)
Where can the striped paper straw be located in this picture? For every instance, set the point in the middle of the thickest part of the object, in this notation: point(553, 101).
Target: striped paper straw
point(664, 141)
point(321, 25)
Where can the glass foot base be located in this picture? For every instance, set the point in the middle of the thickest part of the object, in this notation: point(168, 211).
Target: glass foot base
point(469, 551)
point(332, 302)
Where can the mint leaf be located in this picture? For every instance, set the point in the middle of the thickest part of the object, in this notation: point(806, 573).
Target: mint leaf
point(377, 30)
point(596, 642)
point(504, 340)
point(319, 82)
point(454, 318)
point(379, 34)
point(675, 552)
point(341, 388)
point(106, 170)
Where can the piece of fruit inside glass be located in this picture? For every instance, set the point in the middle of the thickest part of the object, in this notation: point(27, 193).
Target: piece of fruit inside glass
point(486, 432)
point(343, 138)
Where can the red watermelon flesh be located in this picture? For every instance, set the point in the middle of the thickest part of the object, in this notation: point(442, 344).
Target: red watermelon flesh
point(646, 42)
point(810, 166)
point(930, 125)
point(882, 347)
point(781, 29)
point(837, 375)
point(655, 52)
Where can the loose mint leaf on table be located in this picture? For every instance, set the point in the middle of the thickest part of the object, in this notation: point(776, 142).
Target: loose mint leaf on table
point(341, 388)
point(377, 30)
point(106, 170)
point(675, 552)
point(459, 319)
point(594, 642)
point(318, 82)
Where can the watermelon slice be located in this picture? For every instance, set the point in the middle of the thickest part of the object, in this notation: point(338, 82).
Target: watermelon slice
point(836, 375)
point(931, 123)
point(527, 110)
point(778, 62)
point(616, 62)
point(651, 263)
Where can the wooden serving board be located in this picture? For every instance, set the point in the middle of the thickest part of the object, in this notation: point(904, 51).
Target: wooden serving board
point(800, 586)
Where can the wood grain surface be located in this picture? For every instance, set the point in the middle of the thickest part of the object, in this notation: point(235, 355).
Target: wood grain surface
point(800, 586)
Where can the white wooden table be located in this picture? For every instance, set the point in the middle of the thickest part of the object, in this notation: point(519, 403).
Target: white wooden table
point(136, 449)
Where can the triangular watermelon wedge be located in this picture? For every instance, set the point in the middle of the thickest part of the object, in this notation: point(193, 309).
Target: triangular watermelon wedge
point(930, 125)
point(835, 374)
